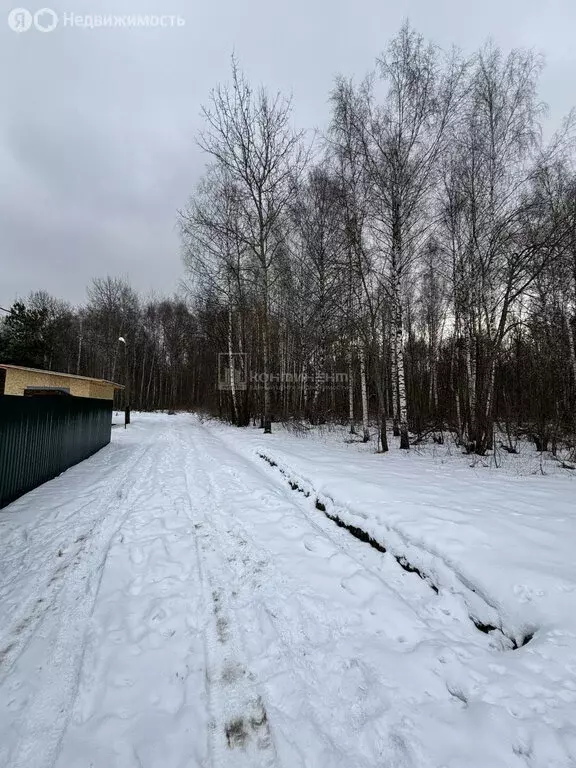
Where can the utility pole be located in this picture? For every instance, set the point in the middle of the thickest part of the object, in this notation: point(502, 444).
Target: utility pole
point(79, 350)
point(122, 340)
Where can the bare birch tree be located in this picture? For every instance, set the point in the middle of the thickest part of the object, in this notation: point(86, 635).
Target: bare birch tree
point(249, 134)
point(403, 138)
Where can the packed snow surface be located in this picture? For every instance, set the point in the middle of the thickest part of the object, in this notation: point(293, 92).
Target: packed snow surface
point(183, 599)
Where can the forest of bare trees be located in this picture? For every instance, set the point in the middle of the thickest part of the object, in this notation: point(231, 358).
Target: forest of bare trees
point(410, 271)
point(158, 360)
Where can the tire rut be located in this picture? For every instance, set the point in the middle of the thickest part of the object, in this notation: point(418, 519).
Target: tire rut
point(238, 733)
point(16, 637)
point(64, 624)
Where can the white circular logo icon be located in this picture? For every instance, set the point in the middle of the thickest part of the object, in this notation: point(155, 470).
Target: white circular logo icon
point(45, 20)
point(19, 20)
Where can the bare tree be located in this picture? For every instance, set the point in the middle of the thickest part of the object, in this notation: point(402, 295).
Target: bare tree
point(500, 231)
point(249, 134)
point(316, 216)
point(215, 258)
point(403, 139)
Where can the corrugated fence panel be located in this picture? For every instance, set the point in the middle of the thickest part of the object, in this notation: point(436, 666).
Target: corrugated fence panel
point(40, 437)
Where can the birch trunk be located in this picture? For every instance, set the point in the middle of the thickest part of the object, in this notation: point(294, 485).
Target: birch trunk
point(471, 376)
point(486, 438)
point(350, 392)
point(319, 380)
point(395, 399)
point(383, 392)
point(455, 388)
point(570, 333)
point(231, 366)
point(267, 419)
point(402, 406)
point(365, 430)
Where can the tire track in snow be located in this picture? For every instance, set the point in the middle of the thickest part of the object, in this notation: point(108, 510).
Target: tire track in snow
point(145, 659)
point(239, 734)
point(341, 541)
point(458, 696)
point(63, 627)
point(15, 637)
point(300, 739)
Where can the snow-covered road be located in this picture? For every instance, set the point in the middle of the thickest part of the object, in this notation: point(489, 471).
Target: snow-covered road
point(173, 603)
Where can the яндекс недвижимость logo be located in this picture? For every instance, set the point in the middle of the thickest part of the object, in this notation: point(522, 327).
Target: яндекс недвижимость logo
point(21, 20)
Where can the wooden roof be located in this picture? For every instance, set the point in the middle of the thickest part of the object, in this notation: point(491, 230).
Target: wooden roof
point(8, 366)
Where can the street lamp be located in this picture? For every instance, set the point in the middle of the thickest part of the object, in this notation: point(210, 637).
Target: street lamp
point(122, 340)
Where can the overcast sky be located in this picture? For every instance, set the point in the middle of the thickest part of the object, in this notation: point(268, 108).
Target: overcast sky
point(97, 126)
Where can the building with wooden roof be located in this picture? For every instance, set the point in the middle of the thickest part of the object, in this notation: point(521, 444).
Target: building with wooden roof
point(19, 380)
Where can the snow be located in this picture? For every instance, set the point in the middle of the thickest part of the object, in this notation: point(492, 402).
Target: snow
point(178, 600)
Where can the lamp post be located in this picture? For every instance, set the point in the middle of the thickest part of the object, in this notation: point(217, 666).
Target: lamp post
point(122, 340)
point(79, 358)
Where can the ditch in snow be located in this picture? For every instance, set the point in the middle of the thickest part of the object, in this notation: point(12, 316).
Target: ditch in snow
point(360, 534)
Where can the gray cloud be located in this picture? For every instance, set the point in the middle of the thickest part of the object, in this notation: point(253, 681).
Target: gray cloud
point(97, 126)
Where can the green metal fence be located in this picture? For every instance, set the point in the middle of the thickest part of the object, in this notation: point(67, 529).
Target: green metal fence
point(40, 437)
